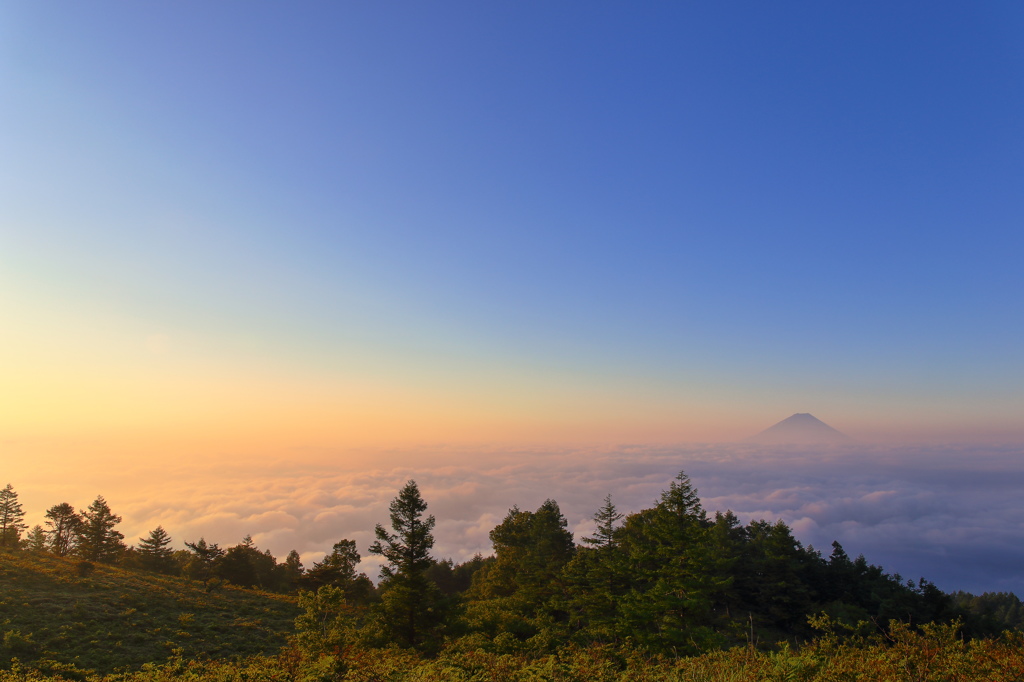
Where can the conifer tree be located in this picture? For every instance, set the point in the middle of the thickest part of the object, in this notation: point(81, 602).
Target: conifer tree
point(596, 579)
point(245, 565)
point(35, 540)
point(64, 526)
point(207, 553)
point(154, 551)
point(525, 579)
point(681, 500)
point(238, 565)
point(410, 599)
point(203, 561)
point(98, 540)
point(11, 518)
point(729, 547)
point(606, 517)
point(549, 547)
point(292, 570)
point(675, 580)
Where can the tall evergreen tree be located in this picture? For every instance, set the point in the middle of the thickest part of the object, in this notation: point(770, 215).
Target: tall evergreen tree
point(98, 540)
point(606, 518)
point(596, 579)
point(778, 572)
point(11, 518)
point(676, 576)
point(530, 550)
point(154, 551)
point(35, 541)
point(728, 543)
point(64, 526)
point(238, 565)
point(410, 599)
point(292, 571)
point(521, 591)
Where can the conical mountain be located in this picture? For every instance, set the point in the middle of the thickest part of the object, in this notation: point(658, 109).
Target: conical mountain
point(800, 429)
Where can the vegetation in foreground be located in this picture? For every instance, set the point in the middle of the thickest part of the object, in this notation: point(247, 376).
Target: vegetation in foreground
point(57, 612)
point(664, 593)
point(898, 655)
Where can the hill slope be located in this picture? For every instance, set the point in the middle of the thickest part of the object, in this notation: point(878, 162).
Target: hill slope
point(114, 617)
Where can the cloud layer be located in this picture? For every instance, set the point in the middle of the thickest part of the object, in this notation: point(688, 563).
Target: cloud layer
point(952, 514)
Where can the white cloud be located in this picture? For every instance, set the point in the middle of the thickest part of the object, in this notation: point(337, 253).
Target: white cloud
point(952, 515)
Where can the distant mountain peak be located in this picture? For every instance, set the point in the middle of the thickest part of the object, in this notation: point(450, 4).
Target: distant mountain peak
point(800, 429)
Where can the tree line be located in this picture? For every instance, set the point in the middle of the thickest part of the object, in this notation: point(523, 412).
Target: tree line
point(670, 579)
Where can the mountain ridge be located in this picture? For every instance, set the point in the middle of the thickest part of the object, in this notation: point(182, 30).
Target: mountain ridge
point(801, 428)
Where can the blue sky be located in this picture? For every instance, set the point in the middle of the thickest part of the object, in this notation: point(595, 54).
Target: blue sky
point(755, 209)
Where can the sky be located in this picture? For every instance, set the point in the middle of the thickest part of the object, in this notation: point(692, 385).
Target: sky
point(256, 243)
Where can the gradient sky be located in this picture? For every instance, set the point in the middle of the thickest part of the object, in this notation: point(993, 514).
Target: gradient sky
point(510, 221)
point(242, 230)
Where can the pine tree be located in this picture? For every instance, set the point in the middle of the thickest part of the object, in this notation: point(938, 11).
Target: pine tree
point(292, 571)
point(526, 576)
point(98, 541)
point(675, 581)
point(549, 547)
point(410, 599)
point(203, 562)
point(35, 541)
point(154, 552)
point(606, 517)
point(237, 566)
point(596, 579)
point(11, 518)
point(681, 500)
point(65, 524)
point(246, 566)
point(777, 572)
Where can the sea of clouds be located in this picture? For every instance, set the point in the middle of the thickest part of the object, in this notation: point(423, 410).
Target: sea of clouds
point(951, 514)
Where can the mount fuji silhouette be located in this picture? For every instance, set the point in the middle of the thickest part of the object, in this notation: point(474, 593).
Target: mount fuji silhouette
point(800, 429)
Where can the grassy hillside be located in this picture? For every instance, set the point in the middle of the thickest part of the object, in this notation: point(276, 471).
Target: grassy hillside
point(55, 610)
